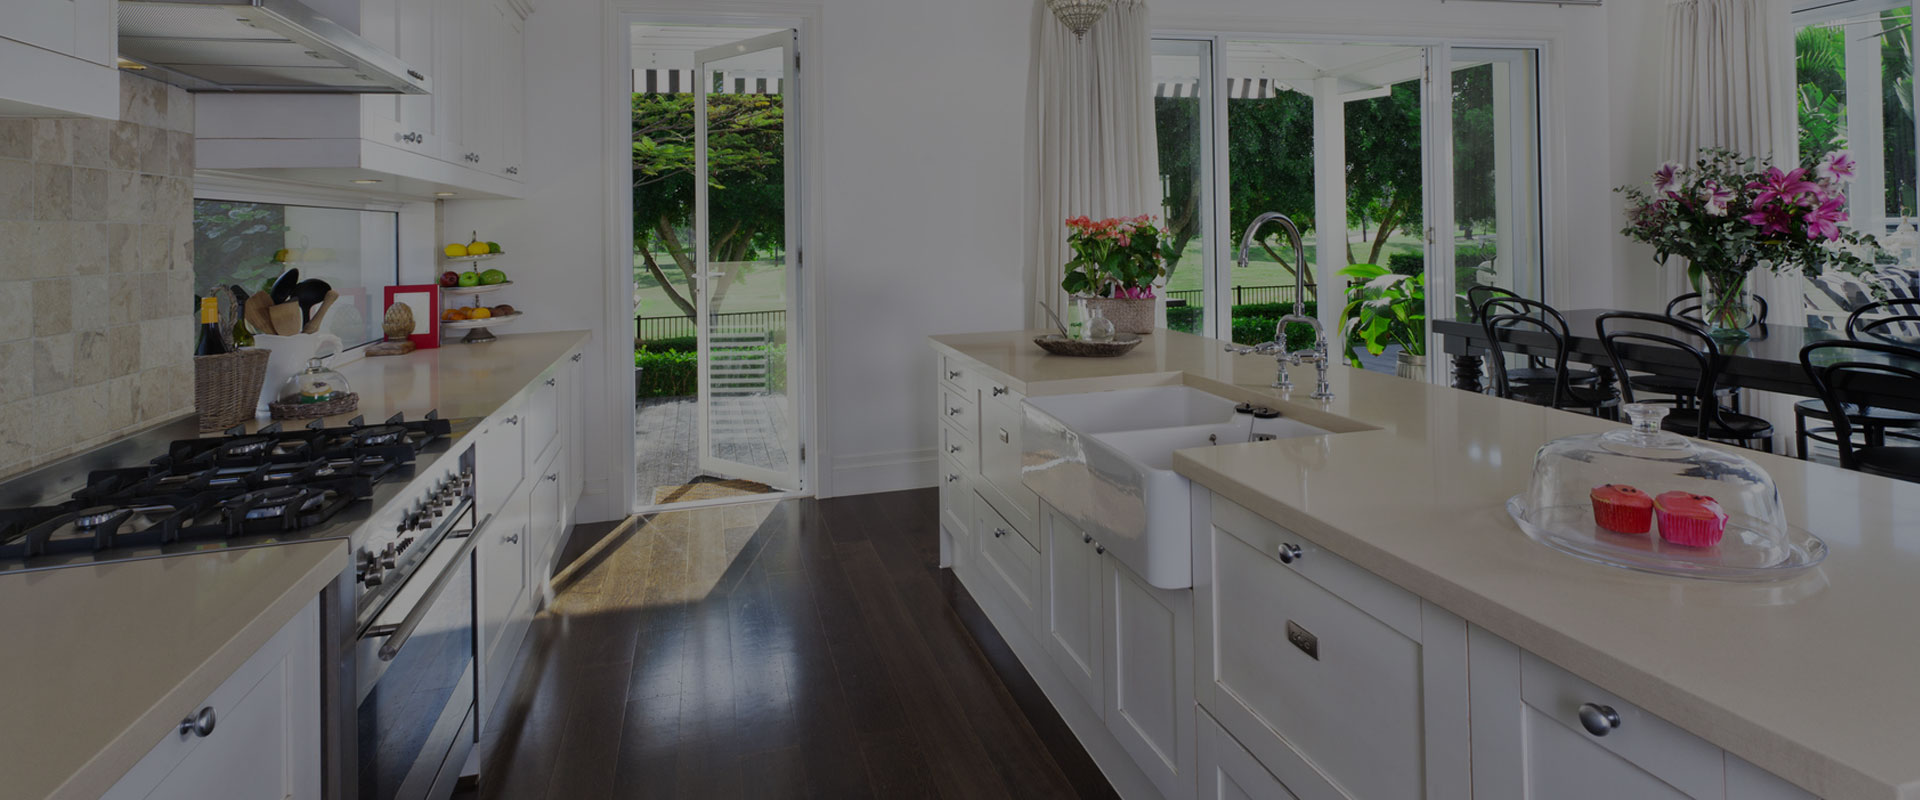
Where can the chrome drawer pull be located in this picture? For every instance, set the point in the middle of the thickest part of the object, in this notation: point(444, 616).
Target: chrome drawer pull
point(953, 412)
point(953, 374)
point(999, 532)
point(1599, 720)
point(200, 724)
point(1099, 549)
point(952, 477)
point(1290, 552)
point(999, 390)
point(953, 448)
point(1086, 538)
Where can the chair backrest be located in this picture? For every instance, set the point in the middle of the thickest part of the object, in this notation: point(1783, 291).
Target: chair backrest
point(1674, 333)
point(1835, 366)
point(1687, 307)
point(1501, 316)
point(1477, 297)
point(1891, 321)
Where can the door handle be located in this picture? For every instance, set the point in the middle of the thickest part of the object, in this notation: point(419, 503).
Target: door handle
point(390, 649)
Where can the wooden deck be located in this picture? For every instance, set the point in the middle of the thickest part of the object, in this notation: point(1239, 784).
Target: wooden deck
point(752, 428)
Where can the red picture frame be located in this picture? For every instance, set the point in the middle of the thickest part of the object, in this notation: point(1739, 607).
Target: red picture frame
point(426, 321)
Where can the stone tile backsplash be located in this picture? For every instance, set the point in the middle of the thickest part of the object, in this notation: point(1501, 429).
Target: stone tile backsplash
point(96, 274)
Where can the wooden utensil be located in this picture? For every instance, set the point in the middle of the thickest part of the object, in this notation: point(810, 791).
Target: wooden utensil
point(256, 312)
point(313, 320)
point(282, 290)
point(285, 318)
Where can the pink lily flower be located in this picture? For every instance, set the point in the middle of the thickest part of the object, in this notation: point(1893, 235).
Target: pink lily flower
point(1790, 187)
point(1822, 220)
point(1667, 178)
point(1837, 166)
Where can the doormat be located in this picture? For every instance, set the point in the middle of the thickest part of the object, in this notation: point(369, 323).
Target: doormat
point(707, 487)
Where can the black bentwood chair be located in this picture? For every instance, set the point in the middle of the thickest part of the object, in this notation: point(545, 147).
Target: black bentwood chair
point(1677, 389)
point(1487, 300)
point(1835, 368)
point(1702, 417)
point(1895, 322)
point(1535, 316)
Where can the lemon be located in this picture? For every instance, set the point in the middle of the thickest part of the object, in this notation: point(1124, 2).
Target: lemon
point(478, 249)
point(282, 255)
point(453, 250)
point(480, 313)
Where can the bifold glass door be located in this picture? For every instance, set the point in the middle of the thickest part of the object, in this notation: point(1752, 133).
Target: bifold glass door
point(746, 228)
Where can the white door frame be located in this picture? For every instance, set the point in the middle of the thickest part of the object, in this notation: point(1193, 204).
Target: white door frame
point(616, 352)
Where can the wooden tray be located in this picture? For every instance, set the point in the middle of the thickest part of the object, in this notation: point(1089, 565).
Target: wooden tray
point(1061, 346)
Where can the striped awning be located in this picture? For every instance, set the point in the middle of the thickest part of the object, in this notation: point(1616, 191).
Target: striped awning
point(681, 81)
point(1237, 88)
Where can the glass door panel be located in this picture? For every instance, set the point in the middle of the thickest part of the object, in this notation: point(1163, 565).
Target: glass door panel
point(1183, 116)
point(1496, 174)
point(746, 220)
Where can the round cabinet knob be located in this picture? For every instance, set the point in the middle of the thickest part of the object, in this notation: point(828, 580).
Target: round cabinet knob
point(199, 724)
point(1086, 538)
point(1099, 549)
point(1290, 552)
point(1599, 720)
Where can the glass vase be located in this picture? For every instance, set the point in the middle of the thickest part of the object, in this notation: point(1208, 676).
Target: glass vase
point(1727, 307)
point(1099, 328)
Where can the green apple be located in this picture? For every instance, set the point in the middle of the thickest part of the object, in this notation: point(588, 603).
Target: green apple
point(469, 278)
point(492, 276)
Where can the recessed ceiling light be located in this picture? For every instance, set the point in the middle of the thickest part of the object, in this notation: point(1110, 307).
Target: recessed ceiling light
point(444, 194)
point(366, 180)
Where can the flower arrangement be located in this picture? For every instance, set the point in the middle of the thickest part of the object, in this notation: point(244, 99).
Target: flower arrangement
point(1118, 257)
point(1729, 214)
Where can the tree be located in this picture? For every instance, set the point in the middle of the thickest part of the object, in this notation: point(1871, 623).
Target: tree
point(1177, 138)
point(1474, 167)
point(1384, 166)
point(1270, 159)
point(746, 194)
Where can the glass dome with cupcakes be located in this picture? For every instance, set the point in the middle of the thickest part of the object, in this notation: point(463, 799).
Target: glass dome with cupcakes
point(1647, 500)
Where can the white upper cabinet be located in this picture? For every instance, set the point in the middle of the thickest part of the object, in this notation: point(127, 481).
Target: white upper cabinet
point(464, 136)
point(57, 57)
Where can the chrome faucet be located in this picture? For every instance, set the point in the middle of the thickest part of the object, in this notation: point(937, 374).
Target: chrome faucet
point(1278, 347)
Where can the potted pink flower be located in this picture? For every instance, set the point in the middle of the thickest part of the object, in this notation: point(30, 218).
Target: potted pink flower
point(1729, 215)
point(1115, 264)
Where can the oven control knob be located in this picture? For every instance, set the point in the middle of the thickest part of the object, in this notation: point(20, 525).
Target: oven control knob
point(390, 557)
point(372, 577)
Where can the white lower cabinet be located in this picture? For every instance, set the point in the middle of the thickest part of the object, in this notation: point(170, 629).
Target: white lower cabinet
point(1342, 684)
point(1007, 561)
point(1071, 628)
point(1541, 732)
point(1228, 772)
point(1148, 635)
point(259, 733)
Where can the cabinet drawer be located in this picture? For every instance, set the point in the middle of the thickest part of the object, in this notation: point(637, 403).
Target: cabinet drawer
point(1009, 561)
point(956, 372)
point(1229, 772)
point(542, 412)
point(1001, 463)
point(959, 451)
point(956, 504)
point(499, 458)
point(548, 519)
point(957, 409)
point(1346, 720)
point(1556, 740)
point(1364, 590)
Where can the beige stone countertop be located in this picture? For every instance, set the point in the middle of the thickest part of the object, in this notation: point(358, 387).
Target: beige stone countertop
point(102, 661)
point(458, 380)
point(1816, 679)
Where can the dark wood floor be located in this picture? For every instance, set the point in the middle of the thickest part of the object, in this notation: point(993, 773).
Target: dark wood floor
point(801, 648)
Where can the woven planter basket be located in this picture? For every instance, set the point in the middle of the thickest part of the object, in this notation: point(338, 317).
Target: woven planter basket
point(1129, 315)
point(226, 387)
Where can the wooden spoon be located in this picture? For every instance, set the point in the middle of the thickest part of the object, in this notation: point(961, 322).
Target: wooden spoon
point(255, 312)
point(313, 321)
point(285, 318)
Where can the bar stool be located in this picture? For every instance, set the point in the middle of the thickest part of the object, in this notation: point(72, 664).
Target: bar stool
point(1560, 393)
point(1703, 417)
point(1833, 367)
point(1485, 300)
point(1895, 322)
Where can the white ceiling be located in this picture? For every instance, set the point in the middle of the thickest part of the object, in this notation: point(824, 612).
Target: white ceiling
point(673, 46)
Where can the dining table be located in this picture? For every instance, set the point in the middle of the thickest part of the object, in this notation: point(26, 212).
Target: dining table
point(1769, 360)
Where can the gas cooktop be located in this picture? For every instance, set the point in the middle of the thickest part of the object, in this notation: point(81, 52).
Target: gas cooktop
point(233, 490)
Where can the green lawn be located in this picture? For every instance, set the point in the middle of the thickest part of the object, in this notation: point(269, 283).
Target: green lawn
point(764, 288)
point(1264, 271)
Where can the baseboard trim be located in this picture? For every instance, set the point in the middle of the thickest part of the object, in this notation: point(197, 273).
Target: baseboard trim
point(872, 473)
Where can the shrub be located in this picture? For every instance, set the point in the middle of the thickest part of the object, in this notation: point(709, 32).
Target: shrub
point(670, 344)
point(1185, 319)
point(670, 373)
point(1407, 263)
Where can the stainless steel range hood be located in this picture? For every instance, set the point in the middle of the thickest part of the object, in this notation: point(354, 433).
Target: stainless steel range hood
point(257, 46)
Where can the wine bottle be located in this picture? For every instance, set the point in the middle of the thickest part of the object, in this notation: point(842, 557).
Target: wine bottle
point(211, 343)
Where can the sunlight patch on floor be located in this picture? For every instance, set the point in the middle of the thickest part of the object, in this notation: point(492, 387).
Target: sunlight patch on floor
point(672, 558)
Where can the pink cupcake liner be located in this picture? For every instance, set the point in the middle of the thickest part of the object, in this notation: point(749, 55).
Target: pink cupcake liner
point(1622, 509)
point(1690, 520)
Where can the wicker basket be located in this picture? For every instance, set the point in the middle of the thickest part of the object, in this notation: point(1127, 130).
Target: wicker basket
point(226, 387)
point(1128, 315)
point(340, 405)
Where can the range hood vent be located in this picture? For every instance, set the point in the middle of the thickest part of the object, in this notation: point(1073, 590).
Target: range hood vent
point(257, 46)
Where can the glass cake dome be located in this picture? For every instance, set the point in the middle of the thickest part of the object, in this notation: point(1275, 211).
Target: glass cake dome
point(1647, 500)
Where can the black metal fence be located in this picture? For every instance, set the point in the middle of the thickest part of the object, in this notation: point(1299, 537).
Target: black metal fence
point(1242, 295)
point(647, 329)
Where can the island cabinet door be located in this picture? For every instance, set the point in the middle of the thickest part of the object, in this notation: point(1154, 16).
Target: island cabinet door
point(1008, 565)
point(1070, 612)
point(1150, 706)
point(1340, 683)
point(1541, 733)
point(1229, 772)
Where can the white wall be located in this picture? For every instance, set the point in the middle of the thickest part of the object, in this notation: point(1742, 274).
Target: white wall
point(918, 184)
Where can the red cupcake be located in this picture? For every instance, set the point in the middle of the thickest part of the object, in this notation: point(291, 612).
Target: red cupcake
point(1693, 520)
point(1621, 508)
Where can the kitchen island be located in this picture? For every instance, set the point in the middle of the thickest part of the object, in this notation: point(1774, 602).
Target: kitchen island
point(1811, 679)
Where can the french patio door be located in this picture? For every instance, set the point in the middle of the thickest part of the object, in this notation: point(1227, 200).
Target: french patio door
point(746, 221)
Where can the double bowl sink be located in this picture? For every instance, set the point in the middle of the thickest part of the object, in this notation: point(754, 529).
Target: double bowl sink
point(1105, 461)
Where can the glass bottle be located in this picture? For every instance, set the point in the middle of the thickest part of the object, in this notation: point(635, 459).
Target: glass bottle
point(1076, 319)
point(1099, 328)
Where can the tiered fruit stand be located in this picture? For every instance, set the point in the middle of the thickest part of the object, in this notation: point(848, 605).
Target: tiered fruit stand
point(478, 330)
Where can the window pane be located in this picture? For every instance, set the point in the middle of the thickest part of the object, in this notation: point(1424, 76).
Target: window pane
point(1896, 92)
point(250, 244)
point(1496, 182)
point(1182, 122)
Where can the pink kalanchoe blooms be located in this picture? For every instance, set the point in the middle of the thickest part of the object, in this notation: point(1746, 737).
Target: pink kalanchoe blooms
point(1667, 178)
point(1788, 187)
point(1837, 166)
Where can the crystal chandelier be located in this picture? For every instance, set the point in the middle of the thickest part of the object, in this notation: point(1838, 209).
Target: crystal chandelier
point(1078, 15)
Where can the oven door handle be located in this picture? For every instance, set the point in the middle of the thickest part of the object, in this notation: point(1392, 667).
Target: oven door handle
point(404, 631)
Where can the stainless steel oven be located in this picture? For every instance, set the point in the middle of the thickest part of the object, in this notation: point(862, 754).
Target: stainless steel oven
point(415, 720)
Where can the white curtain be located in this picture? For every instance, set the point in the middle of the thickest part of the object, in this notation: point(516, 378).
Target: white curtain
point(1090, 149)
point(1729, 85)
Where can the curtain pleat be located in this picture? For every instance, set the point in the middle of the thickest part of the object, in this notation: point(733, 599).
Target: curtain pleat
point(1091, 148)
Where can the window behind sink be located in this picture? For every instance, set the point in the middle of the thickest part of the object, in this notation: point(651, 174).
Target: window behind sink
point(250, 243)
